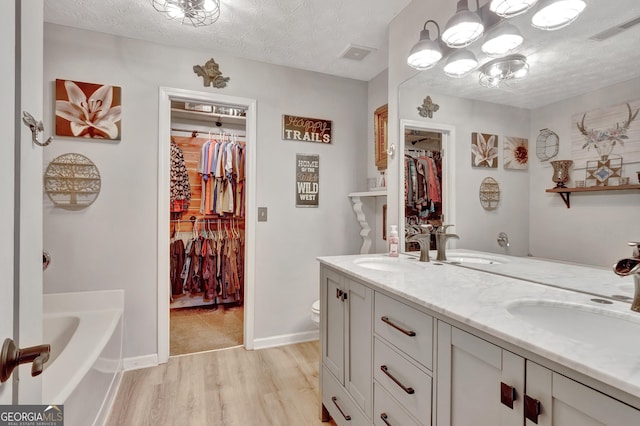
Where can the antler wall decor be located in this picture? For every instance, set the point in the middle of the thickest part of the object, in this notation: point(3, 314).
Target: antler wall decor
point(611, 135)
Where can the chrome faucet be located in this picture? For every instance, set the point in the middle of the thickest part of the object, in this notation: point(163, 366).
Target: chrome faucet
point(424, 240)
point(441, 241)
point(631, 266)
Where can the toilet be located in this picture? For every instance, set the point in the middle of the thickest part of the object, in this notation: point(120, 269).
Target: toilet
point(315, 312)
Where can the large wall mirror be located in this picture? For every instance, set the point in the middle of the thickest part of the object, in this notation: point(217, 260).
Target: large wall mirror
point(592, 63)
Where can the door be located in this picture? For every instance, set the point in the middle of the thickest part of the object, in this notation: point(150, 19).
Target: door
point(21, 211)
point(7, 123)
point(564, 402)
point(333, 322)
point(472, 377)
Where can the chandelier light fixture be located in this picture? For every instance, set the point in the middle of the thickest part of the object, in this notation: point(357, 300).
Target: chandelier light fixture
point(511, 8)
point(426, 52)
point(502, 41)
point(555, 14)
point(505, 70)
point(195, 12)
point(464, 27)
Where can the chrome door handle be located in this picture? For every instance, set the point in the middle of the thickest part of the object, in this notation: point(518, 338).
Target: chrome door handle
point(12, 356)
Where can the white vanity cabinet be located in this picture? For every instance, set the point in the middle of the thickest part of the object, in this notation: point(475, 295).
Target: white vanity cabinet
point(388, 361)
point(481, 383)
point(345, 318)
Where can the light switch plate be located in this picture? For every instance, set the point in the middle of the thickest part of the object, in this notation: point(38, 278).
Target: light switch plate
point(262, 214)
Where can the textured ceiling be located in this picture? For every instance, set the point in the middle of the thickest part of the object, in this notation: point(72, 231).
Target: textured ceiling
point(563, 63)
point(310, 35)
point(313, 35)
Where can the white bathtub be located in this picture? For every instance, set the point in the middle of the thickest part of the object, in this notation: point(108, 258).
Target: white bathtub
point(84, 330)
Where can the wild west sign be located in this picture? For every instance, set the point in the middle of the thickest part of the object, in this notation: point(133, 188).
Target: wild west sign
point(307, 180)
point(306, 129)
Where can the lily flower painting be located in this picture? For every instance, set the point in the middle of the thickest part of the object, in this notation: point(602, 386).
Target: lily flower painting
point(484, 150)
point(88, 110)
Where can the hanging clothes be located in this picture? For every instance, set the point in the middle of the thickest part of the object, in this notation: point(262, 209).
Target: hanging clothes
point(180, 189)
point(212, 266)
point(221, 167)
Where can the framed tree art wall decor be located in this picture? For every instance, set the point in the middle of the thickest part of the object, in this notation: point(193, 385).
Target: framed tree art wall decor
point(380, 120)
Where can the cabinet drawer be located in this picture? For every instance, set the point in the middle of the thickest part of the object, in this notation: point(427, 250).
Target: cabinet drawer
point(408, 384)
point(385, 406)
point(337, 401)
point(406, 328)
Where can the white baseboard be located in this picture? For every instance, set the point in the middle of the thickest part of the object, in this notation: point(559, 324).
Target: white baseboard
point(151, 360)
point(286, 339)
point(137, 362)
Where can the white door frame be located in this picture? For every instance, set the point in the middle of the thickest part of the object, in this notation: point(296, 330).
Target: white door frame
point(8, 119)
point(166, 95)
point(449, 171)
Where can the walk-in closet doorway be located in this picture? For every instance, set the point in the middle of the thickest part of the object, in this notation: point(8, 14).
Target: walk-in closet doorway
point(167, 96)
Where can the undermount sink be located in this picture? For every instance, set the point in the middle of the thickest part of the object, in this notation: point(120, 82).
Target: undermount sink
point(388, 264)
point(474, 259)
point(601, 327)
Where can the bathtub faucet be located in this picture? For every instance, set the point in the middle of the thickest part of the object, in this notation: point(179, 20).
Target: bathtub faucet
point(11, 357)
point(631, 266)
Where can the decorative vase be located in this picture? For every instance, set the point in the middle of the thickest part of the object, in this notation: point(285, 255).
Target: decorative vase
point(561, 172)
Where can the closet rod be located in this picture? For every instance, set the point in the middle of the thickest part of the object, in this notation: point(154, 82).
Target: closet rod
point(212, 219)
point(195, 133)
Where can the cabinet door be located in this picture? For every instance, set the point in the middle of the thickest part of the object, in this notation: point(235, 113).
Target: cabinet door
point(564, 402)
point(472, 374)
point(332, 317)
point(359, 349)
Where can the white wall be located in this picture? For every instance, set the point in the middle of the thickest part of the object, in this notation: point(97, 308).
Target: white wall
point(377, 96)
point(598, 225)
point(112, 244)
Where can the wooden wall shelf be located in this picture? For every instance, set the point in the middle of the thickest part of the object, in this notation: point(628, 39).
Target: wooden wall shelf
point(566, 192)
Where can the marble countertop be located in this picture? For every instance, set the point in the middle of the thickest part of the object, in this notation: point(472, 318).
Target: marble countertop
point(484, 300)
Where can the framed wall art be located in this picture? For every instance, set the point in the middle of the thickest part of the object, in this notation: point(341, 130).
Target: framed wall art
point(88, 110)
point(380, 133)
point(484, 150)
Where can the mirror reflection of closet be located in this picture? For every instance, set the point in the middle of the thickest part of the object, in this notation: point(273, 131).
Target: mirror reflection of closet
point(423, 182)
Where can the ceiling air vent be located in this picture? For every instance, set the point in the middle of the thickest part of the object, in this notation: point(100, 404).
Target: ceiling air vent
point(615, 30)
point(356, 53)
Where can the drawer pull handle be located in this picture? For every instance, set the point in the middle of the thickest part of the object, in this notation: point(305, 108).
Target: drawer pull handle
point(384, 418)
point(408, 390)
point(407, 332)
point(531, 408)
point(507, 394)
point(335, 402)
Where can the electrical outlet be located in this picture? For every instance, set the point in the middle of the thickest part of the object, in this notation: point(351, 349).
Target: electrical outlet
point(262, 214)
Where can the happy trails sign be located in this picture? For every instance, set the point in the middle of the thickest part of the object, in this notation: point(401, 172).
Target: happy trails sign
point(306, 129)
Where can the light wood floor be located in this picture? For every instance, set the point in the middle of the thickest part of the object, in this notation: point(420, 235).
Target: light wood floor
point(276, 386)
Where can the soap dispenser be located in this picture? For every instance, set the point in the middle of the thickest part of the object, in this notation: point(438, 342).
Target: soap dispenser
point(394, 241)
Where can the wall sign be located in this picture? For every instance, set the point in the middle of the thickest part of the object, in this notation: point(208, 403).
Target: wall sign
point(306, 129)
point(307, 180)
